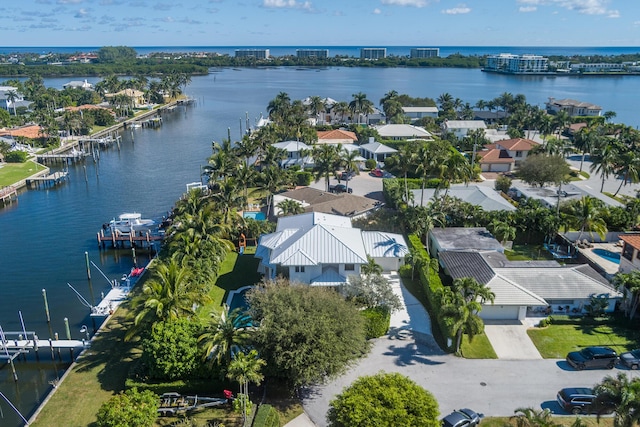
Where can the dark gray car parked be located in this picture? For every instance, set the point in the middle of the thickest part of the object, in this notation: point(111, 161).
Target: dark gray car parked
point(631, 359)
point(593, 357)
point(581, 400)
point(462, 418)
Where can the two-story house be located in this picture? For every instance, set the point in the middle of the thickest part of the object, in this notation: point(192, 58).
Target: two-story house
point(460, 128)
point(297, 153)
point(630, 259)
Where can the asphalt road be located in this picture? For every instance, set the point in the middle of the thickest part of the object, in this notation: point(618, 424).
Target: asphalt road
point(492, 387)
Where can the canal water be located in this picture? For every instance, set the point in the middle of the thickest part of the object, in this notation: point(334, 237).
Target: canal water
point(43, 237)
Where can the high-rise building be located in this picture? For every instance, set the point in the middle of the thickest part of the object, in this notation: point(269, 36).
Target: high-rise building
point(252, 53)
point(312, 53)
point(425, 52)
point(373, 52)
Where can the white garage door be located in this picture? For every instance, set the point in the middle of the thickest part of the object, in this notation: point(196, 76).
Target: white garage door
point(499, 312)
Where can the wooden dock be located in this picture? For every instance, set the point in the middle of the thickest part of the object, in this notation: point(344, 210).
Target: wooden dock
point(67, 157)
point(8, 194)
point(118, 239)
point(49, 180)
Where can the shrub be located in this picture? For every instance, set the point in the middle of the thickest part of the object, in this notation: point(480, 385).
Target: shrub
point(16, 157)
point(545, 322)
point(129, 409)
point(370, 164)
point(267, 416)
point(304, 178)
point(377, 321)
point(503, 183)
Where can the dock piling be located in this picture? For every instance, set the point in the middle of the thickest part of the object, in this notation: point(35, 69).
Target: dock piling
point(46, 305)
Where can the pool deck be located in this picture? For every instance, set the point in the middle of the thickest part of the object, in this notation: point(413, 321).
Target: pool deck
point(609, 267)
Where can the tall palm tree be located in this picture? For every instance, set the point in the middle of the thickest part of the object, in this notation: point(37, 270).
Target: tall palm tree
point(586, 215)
point(245, 369)
point(472, 290)
point(12, 96)
point(604, 157)
point(461, 315)
point(227, 199)
point(360, 105)
point(326, 160)
point(502, 230)
point(273, 179)
point(226, 334)
point(629, 285)
point(624, 394)
point(349, 161)
point(316, 106)
point(278, 106)
point(341, 108)
point(628, 169)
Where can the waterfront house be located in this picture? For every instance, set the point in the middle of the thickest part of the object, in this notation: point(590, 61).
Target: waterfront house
point(520, 287)
point(136, 96)
point(11, 99)
point(630, 258)
point(460, 128)
point(78, 84)
point(573, 107)
point(314, 200)
point(398, 132)
point(323, 250)
point(297, 154)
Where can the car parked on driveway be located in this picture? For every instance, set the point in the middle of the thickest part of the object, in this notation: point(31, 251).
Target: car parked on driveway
point(340, 188)
point(631, 359)
point(377, 173)
point(581, 400)
point(462, 418)
point(347, 175)
point(593, 357)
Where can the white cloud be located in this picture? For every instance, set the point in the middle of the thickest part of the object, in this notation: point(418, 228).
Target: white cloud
point(586, 7)
point(458, 10)
point(525, 9)
point(413, 3)
point(81, 13)
point(377, 11)
point(286, 4)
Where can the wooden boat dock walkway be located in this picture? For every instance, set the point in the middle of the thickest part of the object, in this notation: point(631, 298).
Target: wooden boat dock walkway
point(117, 239)
point(8, 194)
point(49, 180)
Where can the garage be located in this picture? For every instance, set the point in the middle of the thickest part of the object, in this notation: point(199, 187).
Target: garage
point(500, 312)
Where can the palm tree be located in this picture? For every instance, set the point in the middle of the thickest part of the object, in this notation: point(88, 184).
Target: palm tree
point(290, 207)
point(169, 294)
point(502, 230)
point(461, 315)
point(629, 285)
point(349, 161)
point(624, 394)
point(316, 106)
point(278, 106)
point(604, 157)
point(371, 267)
point(341, 108)
point(273, 179)
point(609, 115)
point(226, 334)
point(360, 105)
point(12, 96)
point(628, 169)
point(392, 94)
point(585, 215)
point(245, 369)
point(472, 290)
point(227, 198)
point(529, 417)
point(327, 159)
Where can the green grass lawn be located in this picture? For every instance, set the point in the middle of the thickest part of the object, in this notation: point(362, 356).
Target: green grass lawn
point(11, 173)
point(589, 421)
point(479, 348)
point(569, 334)
point(528, 253)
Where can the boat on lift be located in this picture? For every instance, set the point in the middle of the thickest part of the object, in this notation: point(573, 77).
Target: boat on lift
point(131, 222)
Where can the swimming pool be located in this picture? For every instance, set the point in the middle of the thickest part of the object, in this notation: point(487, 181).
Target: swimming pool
point(258, 216)
point(608, 255)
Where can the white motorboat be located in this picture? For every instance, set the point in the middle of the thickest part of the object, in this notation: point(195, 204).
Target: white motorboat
point(128, 222)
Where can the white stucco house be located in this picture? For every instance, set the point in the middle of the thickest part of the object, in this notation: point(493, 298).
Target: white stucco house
point(400, 132)
point(297, 153)
point(376, 150)
point(417, 113)
point(323, 250)
point(460, 128)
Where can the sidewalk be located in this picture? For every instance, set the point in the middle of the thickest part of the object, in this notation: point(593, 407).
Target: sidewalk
point(301, 420)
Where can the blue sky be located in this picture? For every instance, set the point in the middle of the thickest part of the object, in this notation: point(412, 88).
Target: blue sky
point(320, 22)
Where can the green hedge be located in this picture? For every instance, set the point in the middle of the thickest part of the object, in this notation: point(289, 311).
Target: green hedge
point(304, 178)
point(431, 284)
point(377, 321)
point(267, 416)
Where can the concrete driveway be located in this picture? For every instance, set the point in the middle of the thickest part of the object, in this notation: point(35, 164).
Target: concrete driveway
point(362, 185)
point(510, 340)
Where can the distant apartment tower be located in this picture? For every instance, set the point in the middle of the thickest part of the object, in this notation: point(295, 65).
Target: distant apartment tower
point(373, 52)
point(425, 52)
point(509, 63)
point(252, 53)
point(312, 53)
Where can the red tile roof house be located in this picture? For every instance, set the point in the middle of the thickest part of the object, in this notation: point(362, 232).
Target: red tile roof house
point(504, 156)
point(336, 136)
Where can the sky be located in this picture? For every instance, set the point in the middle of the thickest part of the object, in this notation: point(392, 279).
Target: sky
point(320, 23)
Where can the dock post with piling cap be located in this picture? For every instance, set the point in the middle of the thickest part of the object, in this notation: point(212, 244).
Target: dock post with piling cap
point(35, 346)
point(68, 334)
point(86, 259)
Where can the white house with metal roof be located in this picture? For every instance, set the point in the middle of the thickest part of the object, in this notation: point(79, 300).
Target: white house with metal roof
point(485, 197)
point(460, 128)
point(376, 150)
point(400, 132)
point(297, 153)
point(323, 250)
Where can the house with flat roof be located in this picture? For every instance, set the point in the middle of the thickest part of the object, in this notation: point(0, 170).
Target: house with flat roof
point(373, 52)
point(323, 250)
point(400, 132)
point(424, 52)
point(417, 113)
point(252, 53)
point(460, 128)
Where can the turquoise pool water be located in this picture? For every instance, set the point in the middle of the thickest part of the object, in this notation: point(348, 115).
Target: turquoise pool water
point(239, 300)
point(259, 216)
point(608, 255)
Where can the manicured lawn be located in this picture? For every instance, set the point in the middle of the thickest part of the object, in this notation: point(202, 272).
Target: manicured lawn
point(569, 334)
point(479, 348)
point(589, 421)
point(528, 253)
point(11, 173)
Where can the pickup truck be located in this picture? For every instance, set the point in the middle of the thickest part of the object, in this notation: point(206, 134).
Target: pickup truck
point(340, 188)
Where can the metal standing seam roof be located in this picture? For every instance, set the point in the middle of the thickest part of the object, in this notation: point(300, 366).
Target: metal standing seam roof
point(379, 244)
point(291, 146)
point(402, 130)
point(322, 244)
point(465, 124)
point(378, 148)
point(308, 220)
point(329, 277)
point(556, 283)
point(487, 198)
